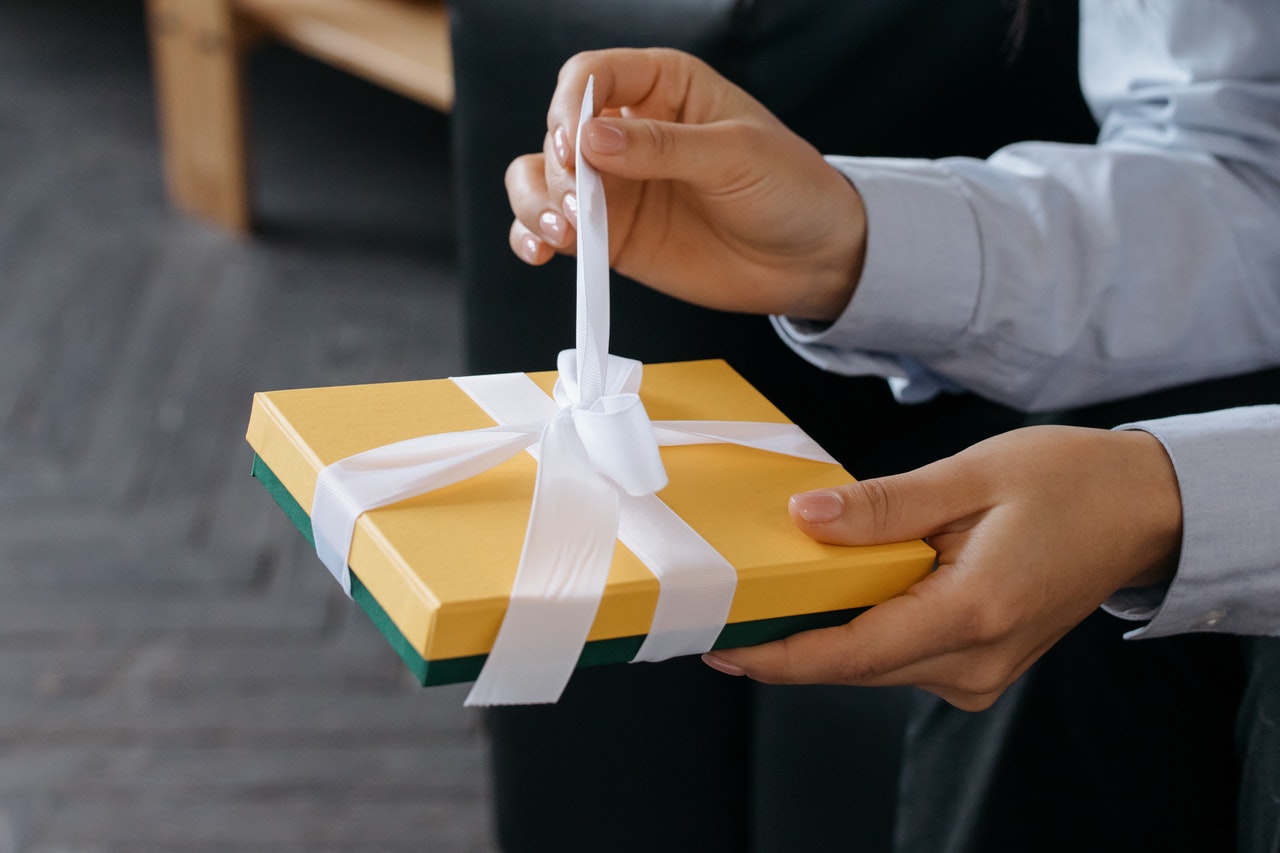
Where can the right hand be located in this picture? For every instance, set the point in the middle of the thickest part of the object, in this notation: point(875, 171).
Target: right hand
point(711, 199)
point(1034, 529)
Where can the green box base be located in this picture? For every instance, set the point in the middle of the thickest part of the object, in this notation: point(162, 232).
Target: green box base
point(596, 652)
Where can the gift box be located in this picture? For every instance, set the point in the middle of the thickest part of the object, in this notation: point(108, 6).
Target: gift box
point(435, 572)
point(511, 527)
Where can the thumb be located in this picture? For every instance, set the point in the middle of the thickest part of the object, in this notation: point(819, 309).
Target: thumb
point(707, 156)
point(914, 505)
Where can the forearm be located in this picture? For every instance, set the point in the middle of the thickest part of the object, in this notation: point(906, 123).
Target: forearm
point(1049, 277)
point(1055, 275)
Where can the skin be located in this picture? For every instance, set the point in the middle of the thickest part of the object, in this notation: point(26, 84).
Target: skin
point(1034, 529)
point(712, 200)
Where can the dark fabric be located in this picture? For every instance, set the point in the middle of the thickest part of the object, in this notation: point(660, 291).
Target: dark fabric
point(1251, 389)
point(1104, 745)
point(1258, 740)
point(825, 765)
point(584, 774)
point(908, 78)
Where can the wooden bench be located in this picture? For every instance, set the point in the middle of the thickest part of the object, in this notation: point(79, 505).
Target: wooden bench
point(198, 49)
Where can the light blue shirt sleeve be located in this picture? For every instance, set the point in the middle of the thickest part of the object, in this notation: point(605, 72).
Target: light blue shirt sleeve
point(1228, 576)
point(1052, 275)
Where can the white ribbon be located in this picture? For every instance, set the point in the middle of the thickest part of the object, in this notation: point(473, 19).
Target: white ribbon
point(598, 471)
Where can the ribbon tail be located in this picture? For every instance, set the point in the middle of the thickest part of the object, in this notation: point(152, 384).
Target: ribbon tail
point(386, 475)
point(695, 582)
point(568, 548)
point(787, 439)
point(593, 268)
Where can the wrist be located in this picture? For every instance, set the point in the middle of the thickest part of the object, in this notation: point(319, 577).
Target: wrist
point(1158, 499)
point(841, 260)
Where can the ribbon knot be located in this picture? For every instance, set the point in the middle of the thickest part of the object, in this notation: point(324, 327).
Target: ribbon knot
point(614, 428)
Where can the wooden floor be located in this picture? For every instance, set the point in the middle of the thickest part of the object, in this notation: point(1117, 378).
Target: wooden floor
point(177, 672)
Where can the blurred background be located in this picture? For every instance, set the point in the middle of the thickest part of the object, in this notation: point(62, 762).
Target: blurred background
point(176, 674)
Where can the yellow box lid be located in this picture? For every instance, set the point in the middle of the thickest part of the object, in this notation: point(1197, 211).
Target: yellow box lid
point(442, 565)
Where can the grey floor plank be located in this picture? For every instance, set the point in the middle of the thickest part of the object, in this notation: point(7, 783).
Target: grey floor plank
point(177, 672)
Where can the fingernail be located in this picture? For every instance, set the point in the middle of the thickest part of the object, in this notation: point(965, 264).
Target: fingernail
point(817, 507)
point(570, 203)
point(560, 144)
point(604, 138)
point(529, 248)
point(718, 663)
point(553, 226)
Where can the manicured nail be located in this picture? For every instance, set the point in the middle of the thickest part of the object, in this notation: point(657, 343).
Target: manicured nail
point(553, 227)
point(718, 663)
point(570, 203)
point(529, 248)
point(604, 138)
point(817, 507)
point(560, 144)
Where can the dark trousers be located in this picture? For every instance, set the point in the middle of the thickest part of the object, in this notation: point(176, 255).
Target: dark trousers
point(677, 758)
point(1105, 744)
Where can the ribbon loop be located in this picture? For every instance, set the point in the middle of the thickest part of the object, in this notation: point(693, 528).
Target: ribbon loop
point(592, 334)
point(613, 426)
point(621, 444)
point(622, 376)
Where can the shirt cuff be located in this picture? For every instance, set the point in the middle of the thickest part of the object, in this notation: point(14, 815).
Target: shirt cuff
point(1228, 574)
point(919, 286)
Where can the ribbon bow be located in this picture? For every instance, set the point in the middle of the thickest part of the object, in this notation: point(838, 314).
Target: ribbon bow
point(599, 470)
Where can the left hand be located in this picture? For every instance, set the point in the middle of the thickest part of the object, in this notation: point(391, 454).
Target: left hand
point(711, 199)
point(1034, 529)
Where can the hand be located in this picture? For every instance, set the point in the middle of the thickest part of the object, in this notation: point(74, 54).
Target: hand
point(711, 199)
point(1034, 529)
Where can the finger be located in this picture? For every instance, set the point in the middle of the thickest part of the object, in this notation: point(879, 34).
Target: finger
point(559, 182)
point(624, 78)
point(886, 645)
point(939, 498)
point(533, 205)
point(717, 157)
point(937, 637)
point(527, 246)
